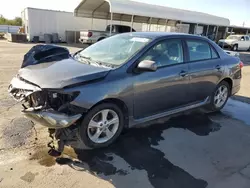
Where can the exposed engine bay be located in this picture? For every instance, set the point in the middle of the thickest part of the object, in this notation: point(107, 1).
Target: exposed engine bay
point(49, 107)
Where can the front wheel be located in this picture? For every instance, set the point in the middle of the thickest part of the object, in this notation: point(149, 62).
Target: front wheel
point(101, 126)
point(219, 97)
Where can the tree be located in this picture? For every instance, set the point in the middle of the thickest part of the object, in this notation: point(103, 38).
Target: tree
point(4, 21)
point(18, 21)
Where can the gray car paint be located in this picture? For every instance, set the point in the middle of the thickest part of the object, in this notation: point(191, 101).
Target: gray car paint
point(146, 95)
point(62, 73)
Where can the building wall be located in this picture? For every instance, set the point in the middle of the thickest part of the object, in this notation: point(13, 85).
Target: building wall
point(180, 28)
point(38, 22)
point(9, 29)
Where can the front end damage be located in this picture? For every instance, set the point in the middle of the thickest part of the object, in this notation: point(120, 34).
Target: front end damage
point(51, 108)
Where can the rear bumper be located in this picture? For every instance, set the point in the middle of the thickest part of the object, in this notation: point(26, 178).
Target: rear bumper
point(235, 90)
point(51, 119)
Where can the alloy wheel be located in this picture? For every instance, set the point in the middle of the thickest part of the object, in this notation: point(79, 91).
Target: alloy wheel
point(221, 96)
point(103, 126)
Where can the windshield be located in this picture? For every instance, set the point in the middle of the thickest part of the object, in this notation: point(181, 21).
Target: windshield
point(114, 50)
point(233, 37)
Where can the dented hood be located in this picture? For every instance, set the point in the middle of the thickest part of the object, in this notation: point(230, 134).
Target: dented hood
point(61, 73)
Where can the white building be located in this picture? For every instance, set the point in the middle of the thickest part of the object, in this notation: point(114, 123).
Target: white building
point(38, 22)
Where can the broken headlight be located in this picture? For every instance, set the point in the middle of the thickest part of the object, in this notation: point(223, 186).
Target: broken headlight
point(55, 100)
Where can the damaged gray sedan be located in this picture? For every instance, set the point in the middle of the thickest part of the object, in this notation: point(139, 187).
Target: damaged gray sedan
point(86, 99)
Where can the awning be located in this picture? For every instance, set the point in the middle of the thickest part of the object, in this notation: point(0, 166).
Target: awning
point(124, 10)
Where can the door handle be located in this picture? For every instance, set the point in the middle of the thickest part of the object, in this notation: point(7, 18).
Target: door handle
point(183, 73)
point(218, 67)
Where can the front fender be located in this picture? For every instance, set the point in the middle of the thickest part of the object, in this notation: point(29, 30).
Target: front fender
point(93, 93)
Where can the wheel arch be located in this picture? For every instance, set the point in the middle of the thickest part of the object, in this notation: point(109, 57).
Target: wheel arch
point(121, 104)
point(229, 81)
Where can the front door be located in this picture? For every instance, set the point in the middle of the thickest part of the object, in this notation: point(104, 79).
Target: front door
point(166, 88)
point(205, 67)
point(243, 43)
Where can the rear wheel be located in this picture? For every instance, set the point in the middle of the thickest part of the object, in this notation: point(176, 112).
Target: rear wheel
point(101, 126)
point(219, 97)
point(235, 47)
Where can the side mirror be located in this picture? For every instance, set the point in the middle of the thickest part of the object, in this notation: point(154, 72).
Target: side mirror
point(147, 65)
point(242, 39)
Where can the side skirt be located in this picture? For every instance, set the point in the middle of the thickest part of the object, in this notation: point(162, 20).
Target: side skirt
point(133, 122)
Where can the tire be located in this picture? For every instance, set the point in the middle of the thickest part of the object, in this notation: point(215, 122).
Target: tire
point(214, 106)
point(86, 130)
point(100, 39)
point(235, 47)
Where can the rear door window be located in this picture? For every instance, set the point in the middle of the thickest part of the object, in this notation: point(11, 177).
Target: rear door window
point(200, 50)
point(124, 29)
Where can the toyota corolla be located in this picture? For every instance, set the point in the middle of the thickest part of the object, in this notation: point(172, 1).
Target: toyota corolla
point(86, 99)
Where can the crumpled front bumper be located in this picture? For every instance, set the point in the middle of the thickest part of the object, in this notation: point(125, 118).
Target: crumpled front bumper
point(51, 118)
point(21, 89)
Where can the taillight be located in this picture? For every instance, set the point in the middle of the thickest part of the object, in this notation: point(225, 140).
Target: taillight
point(241, 64)
point(90, 34)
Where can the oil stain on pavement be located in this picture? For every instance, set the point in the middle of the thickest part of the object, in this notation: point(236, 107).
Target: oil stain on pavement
point(43, 158)
point(135, 147)
point(29, 177)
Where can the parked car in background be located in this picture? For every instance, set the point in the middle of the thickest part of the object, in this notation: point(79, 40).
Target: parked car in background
point(87, 99)
point(235, 42)
point(93, 36)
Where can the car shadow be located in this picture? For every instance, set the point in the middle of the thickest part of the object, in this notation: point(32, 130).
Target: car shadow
point(136, 147)
point(241, 98)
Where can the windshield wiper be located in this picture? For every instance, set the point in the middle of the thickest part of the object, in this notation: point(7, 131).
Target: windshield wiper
point(85, 57)
point(96, 62)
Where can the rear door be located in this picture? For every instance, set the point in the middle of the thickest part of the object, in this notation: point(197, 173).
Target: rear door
point(205, 68)
point(242, 43)
point(247, 42)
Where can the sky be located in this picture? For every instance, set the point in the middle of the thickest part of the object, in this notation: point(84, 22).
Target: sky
point(238, 11)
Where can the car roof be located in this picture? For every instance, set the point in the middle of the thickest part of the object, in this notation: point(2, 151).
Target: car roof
point(154, 35)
